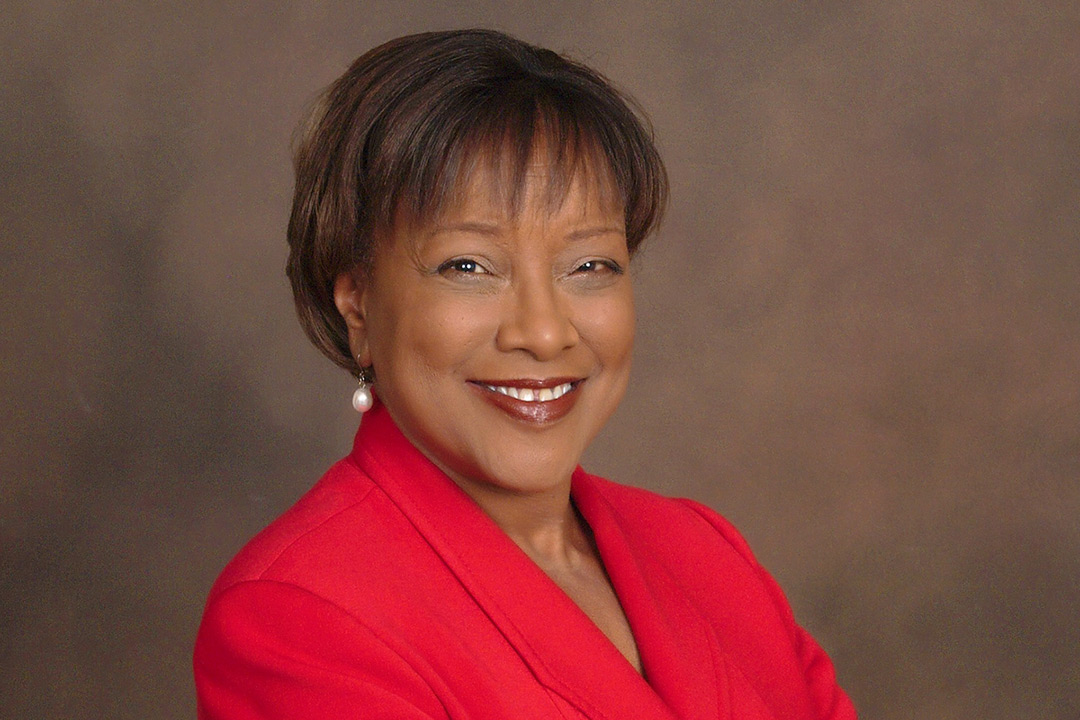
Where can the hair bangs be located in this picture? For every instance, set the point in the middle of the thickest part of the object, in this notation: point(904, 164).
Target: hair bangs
point(516, 137)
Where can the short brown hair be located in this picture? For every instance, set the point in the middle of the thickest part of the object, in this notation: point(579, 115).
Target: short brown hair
point(396, 132)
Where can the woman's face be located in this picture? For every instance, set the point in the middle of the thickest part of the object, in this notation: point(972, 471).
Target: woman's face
point(500, 342)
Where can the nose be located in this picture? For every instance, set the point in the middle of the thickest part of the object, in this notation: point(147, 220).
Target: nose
point(537, 320)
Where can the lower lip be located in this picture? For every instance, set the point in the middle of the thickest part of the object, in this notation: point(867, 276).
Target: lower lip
point(533, 413)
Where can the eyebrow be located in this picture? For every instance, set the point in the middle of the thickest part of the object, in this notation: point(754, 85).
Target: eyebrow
point(493, 229)
point(594, 231)
point(480, 228)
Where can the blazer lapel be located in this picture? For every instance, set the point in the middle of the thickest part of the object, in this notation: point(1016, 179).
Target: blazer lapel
point(562, 647)
point(677, 647)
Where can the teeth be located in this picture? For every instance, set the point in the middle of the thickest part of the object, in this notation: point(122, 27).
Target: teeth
point(530, 395)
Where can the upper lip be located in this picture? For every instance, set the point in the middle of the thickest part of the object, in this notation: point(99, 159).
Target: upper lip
point(530, 383)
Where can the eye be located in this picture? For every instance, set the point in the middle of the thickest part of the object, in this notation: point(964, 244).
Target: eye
point(599, 266)
point(462, 266)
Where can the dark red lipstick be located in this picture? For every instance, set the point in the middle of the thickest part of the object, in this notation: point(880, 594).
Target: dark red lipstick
point(537, 402)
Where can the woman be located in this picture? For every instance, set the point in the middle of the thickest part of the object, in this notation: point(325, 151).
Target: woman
point(466, 209)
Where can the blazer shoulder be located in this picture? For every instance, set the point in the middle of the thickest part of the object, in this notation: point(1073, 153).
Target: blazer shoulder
point(341, 488)
point(680, 520)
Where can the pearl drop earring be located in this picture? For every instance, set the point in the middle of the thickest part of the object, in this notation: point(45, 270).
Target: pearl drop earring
point(362, 399)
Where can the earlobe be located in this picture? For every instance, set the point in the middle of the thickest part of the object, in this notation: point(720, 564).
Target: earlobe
point(349, 299)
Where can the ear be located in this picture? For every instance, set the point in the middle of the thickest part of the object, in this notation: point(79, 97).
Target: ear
point(350, 293)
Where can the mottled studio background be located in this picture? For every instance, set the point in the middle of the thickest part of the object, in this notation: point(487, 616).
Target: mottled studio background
point(859, 327)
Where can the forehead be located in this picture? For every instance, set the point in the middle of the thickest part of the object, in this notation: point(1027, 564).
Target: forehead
point(541, 188)
point(540, 199)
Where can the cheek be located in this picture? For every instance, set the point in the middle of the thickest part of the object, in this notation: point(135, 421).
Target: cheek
point(432, 333)
point(446, 339)
point(608, 326)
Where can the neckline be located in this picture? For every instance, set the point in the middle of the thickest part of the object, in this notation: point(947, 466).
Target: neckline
point(561, 645)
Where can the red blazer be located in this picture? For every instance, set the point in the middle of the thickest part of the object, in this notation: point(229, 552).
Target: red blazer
point(385, 592)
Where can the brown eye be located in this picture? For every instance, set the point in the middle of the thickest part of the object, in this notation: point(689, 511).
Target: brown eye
point(599, 266)
point(464, 266)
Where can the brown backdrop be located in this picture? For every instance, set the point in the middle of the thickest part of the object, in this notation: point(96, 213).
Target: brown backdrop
point(859, 327)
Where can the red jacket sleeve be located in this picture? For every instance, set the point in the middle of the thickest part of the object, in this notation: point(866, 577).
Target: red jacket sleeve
point(269, 651)
point(830, 701)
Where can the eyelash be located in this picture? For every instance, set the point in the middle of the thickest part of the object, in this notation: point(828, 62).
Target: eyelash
point(457, 265)
point(598, 265)
point(468, 266)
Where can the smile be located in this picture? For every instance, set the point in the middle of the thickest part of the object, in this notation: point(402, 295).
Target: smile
point(532, 395)
point(533, 402)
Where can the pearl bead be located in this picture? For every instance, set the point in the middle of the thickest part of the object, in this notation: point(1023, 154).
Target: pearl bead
point(361, 399)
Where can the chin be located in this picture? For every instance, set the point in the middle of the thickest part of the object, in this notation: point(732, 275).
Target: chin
point(525, 475)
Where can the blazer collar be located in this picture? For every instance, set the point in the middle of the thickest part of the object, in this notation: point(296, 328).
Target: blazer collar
point(562, 647)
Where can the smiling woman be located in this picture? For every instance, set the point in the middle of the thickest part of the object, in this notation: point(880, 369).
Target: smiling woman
point(491, 312)
point(466, 208)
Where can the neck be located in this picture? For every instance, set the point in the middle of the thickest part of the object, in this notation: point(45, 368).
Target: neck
point(543, 521)
point(544, 524)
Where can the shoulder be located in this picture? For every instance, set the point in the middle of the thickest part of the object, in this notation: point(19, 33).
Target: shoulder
point(265, 639)
point(313, 524)
point(680, 523)
point(694, 548)
point(300, 614)
point(686, 545)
